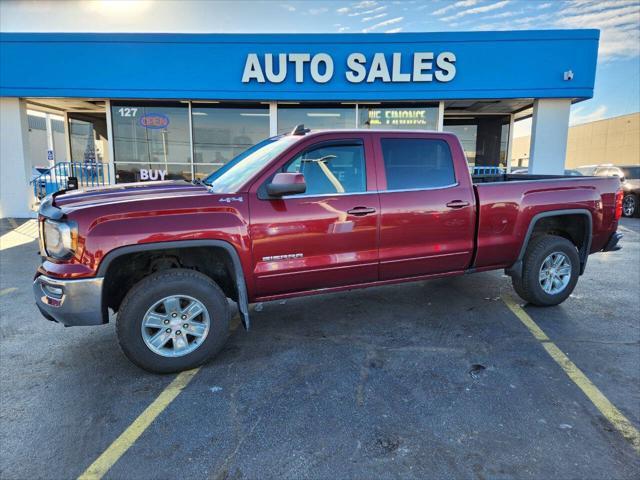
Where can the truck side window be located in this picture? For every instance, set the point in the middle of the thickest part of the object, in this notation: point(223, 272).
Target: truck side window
point(414, 163)
point(331, 169)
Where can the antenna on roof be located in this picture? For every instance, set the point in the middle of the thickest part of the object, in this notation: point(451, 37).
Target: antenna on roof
point(300, 130)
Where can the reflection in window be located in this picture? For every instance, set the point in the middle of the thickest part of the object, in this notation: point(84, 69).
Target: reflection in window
point(484, 138)
point(467, 134)
point(221, 133)
point(331, 169)
point(417, 163)
point(316, 116)
point(154, 135)
point(398, 116)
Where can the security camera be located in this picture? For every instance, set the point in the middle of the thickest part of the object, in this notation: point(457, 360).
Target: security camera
point(568, 75)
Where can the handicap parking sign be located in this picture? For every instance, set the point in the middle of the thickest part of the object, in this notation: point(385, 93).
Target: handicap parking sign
point(50, 155)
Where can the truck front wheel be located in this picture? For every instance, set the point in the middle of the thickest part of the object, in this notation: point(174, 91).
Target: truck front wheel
point(173, 320)
point(550, 271)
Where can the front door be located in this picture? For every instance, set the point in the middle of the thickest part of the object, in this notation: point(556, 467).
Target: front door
point(427, 223)
point(326, 237)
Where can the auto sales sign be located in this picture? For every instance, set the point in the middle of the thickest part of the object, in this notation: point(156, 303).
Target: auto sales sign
point(358, 67)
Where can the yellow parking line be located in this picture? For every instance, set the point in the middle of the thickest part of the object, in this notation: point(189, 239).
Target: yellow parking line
point(124, 442)
point(602, 403)
point(121, 444)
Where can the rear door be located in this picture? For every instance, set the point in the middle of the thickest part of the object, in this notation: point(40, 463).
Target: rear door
point(427, 222)
point(326, 237)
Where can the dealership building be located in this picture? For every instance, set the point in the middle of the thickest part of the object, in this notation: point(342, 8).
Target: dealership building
point(178, 106)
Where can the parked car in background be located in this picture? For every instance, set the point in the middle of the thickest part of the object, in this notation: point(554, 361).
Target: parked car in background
point(631, 189)
point(629, 176)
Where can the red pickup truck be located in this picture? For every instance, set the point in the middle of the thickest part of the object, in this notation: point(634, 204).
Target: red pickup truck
point(305, 213)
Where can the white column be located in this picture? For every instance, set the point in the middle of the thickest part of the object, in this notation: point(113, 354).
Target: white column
point(110, 142)
point(50, 146)
point(510, 144)
point(549, 131)
point(273, 119)
point(441, 116)
point(15, 169)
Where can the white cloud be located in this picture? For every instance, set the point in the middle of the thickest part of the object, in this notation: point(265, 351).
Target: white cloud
point(589, 6)
point(619, 28)
point(394, 30)
point(288, 8)
point(543, 6)
point(499, 15)
point(343, 10)
point(460, 4)
point(476, 10)
point(367, 12)
point(386, 23)
point(365, 4)
point(317, 11)
point(374, 17)
point(577, 117)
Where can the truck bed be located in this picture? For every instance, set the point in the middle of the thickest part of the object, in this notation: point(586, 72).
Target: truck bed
point(517, 177)
point(507, 204)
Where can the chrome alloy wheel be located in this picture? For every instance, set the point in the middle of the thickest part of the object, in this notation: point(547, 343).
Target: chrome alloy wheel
point(555, 273)
point(175, 326)
point(629, 205)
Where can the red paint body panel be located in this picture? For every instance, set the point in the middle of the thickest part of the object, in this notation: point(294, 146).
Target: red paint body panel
point(419, 234)
point(308, 244)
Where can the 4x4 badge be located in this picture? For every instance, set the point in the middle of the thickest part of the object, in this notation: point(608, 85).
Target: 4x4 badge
point(231, 199)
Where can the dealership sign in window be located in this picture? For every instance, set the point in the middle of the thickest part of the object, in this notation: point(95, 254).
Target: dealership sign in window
point(425, 118)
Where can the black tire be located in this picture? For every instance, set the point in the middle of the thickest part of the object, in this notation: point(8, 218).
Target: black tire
point(156, 287)
point(630, 205)
point(528, 287)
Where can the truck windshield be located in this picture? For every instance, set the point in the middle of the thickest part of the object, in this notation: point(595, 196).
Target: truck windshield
point(230, 177)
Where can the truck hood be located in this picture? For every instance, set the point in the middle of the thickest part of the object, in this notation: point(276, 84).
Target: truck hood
point(127, 193)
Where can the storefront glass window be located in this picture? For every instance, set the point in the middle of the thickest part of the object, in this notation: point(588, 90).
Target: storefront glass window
point(400, 116)
point(316, 116)
point(151, 141)
point(220, 133)
point(484, 138)
point(467, 134)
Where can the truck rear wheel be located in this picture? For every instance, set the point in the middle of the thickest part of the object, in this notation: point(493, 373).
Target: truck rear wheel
point(173, 320)
point(550, 271)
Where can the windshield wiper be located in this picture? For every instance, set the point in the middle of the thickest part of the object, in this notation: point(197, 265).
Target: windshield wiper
point(197, 181)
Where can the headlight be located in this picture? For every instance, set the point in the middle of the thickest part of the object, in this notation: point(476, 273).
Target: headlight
point(60, 239)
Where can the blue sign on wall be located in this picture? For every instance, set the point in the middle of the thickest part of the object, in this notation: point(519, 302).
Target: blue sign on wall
point(337, 67)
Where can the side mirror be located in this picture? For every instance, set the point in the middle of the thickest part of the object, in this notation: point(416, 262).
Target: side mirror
point(286, 184)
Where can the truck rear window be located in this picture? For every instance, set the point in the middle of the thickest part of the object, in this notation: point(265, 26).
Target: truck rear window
point(415, 163)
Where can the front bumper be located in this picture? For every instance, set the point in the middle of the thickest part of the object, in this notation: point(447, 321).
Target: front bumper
point(70, 302)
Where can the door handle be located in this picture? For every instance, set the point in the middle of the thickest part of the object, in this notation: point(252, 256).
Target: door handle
point(361, 211)
point(458, 204)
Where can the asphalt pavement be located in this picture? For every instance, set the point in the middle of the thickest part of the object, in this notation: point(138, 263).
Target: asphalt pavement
point(433, 379)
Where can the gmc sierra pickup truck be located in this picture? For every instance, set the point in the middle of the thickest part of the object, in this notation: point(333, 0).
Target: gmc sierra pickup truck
point(304, 213)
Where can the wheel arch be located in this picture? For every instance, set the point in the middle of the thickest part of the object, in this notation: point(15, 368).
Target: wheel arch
point(221, 247)
point(580, 236)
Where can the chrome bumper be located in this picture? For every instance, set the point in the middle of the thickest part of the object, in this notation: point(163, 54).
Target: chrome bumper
point(70, 302)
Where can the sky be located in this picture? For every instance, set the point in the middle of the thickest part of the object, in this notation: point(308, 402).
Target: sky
point(617, 87)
